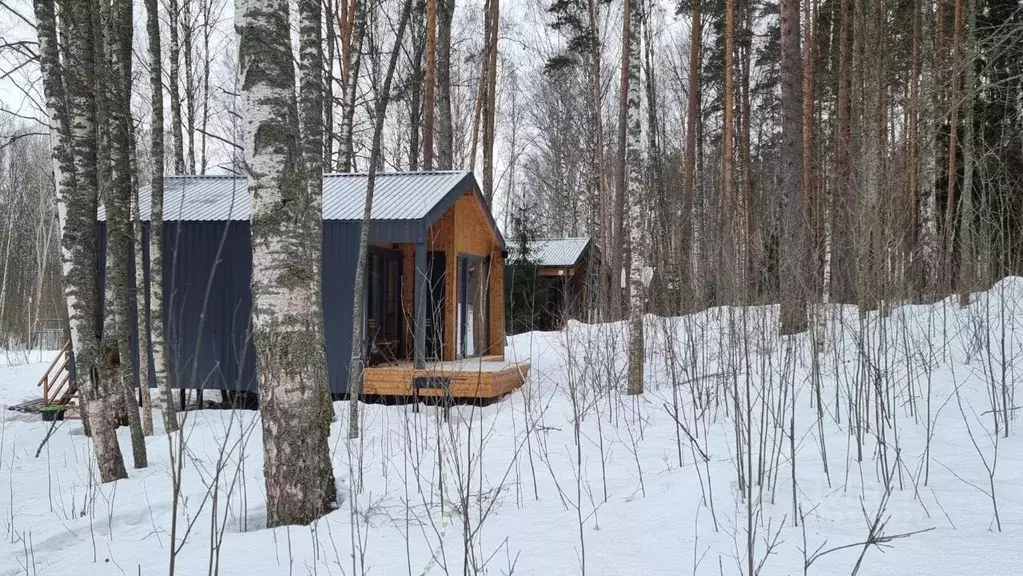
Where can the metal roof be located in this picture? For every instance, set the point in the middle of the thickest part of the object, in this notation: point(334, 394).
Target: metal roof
point(396, 196)
point(558, 252)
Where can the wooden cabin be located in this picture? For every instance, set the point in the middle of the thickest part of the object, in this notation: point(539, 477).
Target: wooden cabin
point(566, 271)
point(433, 319)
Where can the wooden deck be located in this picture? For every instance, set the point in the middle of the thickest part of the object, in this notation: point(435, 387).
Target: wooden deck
point(487, 377)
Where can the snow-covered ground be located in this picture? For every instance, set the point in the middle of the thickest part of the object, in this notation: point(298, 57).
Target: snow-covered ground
point(570, 475)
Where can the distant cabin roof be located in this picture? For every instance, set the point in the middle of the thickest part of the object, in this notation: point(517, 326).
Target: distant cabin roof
point(558, 252)
point(396, 196)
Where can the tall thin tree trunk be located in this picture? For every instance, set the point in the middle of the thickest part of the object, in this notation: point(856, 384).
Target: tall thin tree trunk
point(430, 82)
point(698, 282)
point(145, 337)
point(175, 92)
point(188, 47)
point(490, 102)
point(634, 166)
point(77, 202)
point(286, 321)
point(843, 192)
point(793, 239)
point(619, 245)
point(955, 89)
point(809, 197)
point(928, 244)
point(116, 361)
point(311, 112)
point(730, 208)
point(355, 371)
point(156, 162)
point(445, 121)
point(968, 262)
point(347, 144)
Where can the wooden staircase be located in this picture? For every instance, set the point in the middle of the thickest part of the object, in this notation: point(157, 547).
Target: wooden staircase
point(59, 388)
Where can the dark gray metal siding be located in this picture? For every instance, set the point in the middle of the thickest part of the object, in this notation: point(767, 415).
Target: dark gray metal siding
point(340, 252)
point(206, 276)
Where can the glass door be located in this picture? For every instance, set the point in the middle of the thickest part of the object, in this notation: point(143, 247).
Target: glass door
point(473, 291)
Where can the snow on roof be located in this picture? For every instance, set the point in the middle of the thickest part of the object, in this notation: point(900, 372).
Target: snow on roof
point(396, 196)
point(558, 252)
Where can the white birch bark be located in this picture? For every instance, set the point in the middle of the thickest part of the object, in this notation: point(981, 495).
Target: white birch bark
point(75, 144)
point(634, 165)
point(286, 325)
point(158, 334)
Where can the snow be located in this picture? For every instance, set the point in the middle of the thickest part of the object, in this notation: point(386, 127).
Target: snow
point(658, 517)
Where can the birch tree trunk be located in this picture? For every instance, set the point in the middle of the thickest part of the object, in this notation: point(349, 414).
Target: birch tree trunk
point(618, 244)
point(77, 199)
point(347, 144)
point(311, 113)
point(173, 85)
point(156, 160)
point(355, 370)
point(793, 238)
point(634, 162)
point(286, 323)
point(188, 47)
point(145, 338)
point(116, 360)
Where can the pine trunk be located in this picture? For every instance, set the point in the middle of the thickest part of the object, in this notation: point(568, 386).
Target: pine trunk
point(793, 239)
point(490, 103)
point(445, 121)
point(730, 208)
point(430, 82)
point(968, 262)
point(928, 240)
point(286, 322)
point(697, 282)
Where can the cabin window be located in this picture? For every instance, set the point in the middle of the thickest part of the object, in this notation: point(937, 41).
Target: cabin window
point(472, 309)
point(383, 315)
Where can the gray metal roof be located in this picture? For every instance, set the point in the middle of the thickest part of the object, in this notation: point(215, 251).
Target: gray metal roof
point(558, 252)
point(396, 196)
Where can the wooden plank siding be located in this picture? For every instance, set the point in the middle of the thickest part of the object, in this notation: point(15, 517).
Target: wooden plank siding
point(464, 380)
point(464, 230)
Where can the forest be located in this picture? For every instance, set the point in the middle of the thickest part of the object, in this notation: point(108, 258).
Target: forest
point(812, 200)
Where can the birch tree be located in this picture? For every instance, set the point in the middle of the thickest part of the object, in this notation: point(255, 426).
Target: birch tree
point(156, 162)
point(286, 322)
point(634, 165)
point(116, 360)
point(174, 15)
point(73, 120)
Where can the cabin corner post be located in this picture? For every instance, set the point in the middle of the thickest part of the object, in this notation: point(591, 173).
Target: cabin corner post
point(419, 307)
